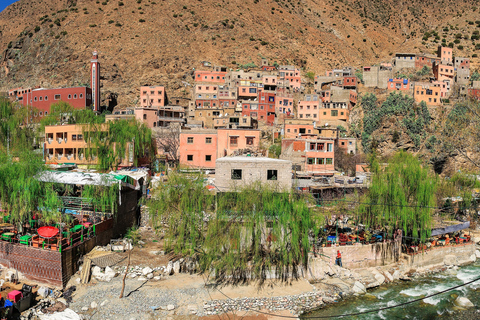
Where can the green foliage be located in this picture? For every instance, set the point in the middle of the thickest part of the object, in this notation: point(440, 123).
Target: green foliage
point(62, 112)
point(424, 71)
point(14, 134)
point(275, 150)
point(401, 196)
point(475, 76)
point(311, 75)
point(254, 231)
point(415, 119)
point(111, 145)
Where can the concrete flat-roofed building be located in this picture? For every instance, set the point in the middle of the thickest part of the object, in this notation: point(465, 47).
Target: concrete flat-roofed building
point(404, 60)
point(397, 84)
point(235, 173)
point(427, 92)
point(377, 76)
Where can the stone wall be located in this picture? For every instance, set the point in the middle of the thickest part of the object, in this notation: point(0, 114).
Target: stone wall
point(442, 256)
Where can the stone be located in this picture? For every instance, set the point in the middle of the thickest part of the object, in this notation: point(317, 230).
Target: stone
point(192, 308)
point(150, 276)
point(396, 275)
point(176, 267)
point(463, 302)
point(358, 288)
point(103, 303)
point(78, 280)
point(380, 278)
point(473, 257)
point(62, 300)
point(170, 307)
point(140, 242)
point(169, 269)
point(142, 278)
point(146, 271)
point(110, 272)
point(93, 305)
point(388, 276)
point(96, 270)
point(477, 253)
point(85, 309)
point(156, 278)
point(450, 260)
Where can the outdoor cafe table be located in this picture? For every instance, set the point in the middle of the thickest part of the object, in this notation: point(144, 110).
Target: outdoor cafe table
point(8, 236)
point(25, 239)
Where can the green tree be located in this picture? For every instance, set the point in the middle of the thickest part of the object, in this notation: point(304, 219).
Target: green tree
point(401, 195)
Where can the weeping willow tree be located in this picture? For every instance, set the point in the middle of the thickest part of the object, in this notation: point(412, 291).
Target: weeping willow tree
point(15, 135)
point(103, 198)
point(21, 193)
point(254, 233)
point(401, 195)
point(116, 140)
point(62, 112)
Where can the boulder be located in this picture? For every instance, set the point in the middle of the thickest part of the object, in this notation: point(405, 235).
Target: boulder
point(358, 288)
point(396, 275)
point(477, 253)
point(450, 260)
point(170, 307)
point(473, 257)
point(96, 270)
point(93, 305)
point(388, 276)
point(380, 278)
point(192, 308)
point(110, 272)
point(150, 276)
point(142, 278)
point(169, 269)
point(146, 271)
point(463, 302)
point(176, 267)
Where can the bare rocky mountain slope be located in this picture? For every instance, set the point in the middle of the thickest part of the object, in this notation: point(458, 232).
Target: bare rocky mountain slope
point(49, 42)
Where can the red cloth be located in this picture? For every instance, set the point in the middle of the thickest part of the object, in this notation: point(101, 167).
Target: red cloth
point(339, 255)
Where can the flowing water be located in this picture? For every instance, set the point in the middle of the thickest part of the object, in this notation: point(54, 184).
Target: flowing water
point(440, 306)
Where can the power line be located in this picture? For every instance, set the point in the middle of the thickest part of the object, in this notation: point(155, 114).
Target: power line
point(363, 312)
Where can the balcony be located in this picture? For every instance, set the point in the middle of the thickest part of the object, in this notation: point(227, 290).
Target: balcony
point(59, 140)
point(50, 140)
point(69, 156)
point(81, 156)
point(59, 156)
point(50, 156)
point(170, 119)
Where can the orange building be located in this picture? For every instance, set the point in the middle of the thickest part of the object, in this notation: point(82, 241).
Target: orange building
point(217, 75)
point(427, 92)
point(318, 154)
point(445, 54)
point(66, 144)
point(153, 96)
point(200, 149)
point(294, 128)
point(398, 84)
point(443, 72)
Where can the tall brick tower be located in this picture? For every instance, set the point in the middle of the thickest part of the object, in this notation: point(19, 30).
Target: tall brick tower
point(95, 81)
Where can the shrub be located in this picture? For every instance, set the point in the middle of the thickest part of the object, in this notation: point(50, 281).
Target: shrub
point(120, 4)
point(142, 20)
point(118, 24)
point(110, 21)
point(37, 28)
point(460, 47)
point(92, 25)
point(57, 22)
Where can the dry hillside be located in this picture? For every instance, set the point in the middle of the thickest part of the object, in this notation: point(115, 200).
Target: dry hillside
point(49, 42)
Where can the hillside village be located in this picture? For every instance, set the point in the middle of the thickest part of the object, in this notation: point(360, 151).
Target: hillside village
point(262, 112)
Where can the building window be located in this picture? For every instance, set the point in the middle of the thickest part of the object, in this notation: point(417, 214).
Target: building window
point(74, 96)
point(69, 96)
point(74, 137)
point(310, 160)
point(46, 112)
point(81, 95)
point(208, 158)
point(233, 141)
point(41, 113)
point(329, 161)
point(40, 98)
point(236, 174)
point(190, 157)
point(320, 160)
point(46, 98)
point(79, 137)
point(272, 174)
point(144, 117)
point(334, 113)
point(190, 140)
point(249, 141)
point(208, 140)
point(329, 147)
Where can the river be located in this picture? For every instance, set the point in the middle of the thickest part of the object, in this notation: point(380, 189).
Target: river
point(440, 306)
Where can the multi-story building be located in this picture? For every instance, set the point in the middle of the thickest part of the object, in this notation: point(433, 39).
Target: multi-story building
point(445, 54)
point(377, 76)
point(423, 59)
point(428, 93)
point(313, 155)
point(216, 75)
point(67, 144)
point(404, 60)
point(292, 75)
point(294, 128)
point(201, 148)
point(443, 72)
point(462, 68)
point(235, 121)
point(153, 96)
point(309, 107)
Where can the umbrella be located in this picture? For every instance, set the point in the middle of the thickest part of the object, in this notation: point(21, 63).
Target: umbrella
point(47, 232)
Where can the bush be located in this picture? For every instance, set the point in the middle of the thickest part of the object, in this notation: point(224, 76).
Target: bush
point(110, 21)
point(118, 24)
point(460, 47)
point(57, 22)
point(141, 20)
point(120, 4)
point(92, 25)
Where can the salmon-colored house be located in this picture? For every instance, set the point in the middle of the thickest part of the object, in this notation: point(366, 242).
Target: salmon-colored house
point(318, 154)
point(153, 96)
point(427, 92)
point(398, 84)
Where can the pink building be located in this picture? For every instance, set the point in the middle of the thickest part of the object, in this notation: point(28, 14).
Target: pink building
point(284, 103)
point(319, 156)
point(292, 75)
point(308, 109)
point(445, 54)
point(198, 149)
point(214, 76)
point(444, 87)
point(152, 96)
point(295, 128)
point(230, 140)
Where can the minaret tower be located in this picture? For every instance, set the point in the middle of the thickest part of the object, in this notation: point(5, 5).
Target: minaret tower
point(95, 81)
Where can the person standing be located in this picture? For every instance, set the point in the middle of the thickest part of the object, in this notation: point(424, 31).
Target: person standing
point(338, 261)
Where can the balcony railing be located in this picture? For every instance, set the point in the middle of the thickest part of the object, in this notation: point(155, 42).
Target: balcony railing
point(59, 140)
point(170, 119)
point(59, 156)
point(50, 140)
